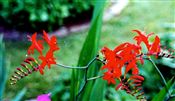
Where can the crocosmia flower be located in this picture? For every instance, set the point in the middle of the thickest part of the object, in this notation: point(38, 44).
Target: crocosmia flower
point(151, 47)
point(126, 56)
point(49, 58)
point(31, 64)
point(36, 44)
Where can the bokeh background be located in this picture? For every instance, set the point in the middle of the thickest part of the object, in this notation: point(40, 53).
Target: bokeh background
point(19, 18)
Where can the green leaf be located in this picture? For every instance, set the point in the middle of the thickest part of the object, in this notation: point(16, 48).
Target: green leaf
point(99, 86)
point(3, 73)
point(20, 95)
point(74, 82)
point(162, 94)
point(88, 52)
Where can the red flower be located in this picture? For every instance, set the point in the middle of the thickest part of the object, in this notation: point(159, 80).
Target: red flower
point(46, 60)
point(155, 47)
point(109, 76)
point(142, 38)
point(111, 63)
point(126, 56)
point(152, 48)
point(36, 44)
point(52, 42)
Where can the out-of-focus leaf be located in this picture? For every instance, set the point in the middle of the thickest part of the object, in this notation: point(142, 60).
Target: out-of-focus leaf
point(162, 94)
point(168, 25)
point(168, 62)
point(3, 73)
point(20, 95)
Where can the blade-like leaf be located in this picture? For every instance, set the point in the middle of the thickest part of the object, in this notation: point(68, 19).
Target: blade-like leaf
point(3, 72)
point(99, 86)
point(73, 85)
point(89, 51)
point(20, 95)
point(162, 94)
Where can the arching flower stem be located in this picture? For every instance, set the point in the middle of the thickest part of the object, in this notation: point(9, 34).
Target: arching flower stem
point(83, 67)
point(86, 79)
point(164, 81)
point(70, 67)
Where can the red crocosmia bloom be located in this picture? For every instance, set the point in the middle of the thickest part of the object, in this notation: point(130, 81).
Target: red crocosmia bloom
point(46, 60)
point(52, 42)
point(132, 66)
point(155, 47)
point(128, 54)
point(142, 38)
point(36, 44)
point(109, 76)
point(111, 62)
point(124, 54)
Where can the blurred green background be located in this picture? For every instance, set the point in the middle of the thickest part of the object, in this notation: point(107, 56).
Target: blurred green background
point(151, 16)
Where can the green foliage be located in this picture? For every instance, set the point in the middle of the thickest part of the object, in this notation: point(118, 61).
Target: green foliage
point(98, 90)
point(167, 40)
point(20, 95)
point(163, 93)
point(61, 90)
point(88, 52)
point(32, 12)
point(114, 32)
point(3, 73)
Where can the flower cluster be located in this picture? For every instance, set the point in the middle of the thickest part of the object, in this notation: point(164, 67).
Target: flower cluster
point(49, 58)
point(127, 55)
point(31, 64)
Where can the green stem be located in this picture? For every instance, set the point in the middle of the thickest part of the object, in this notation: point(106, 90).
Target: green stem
point(85, 75)
point(71, 67)
point(93, 78)
point(164, 81)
